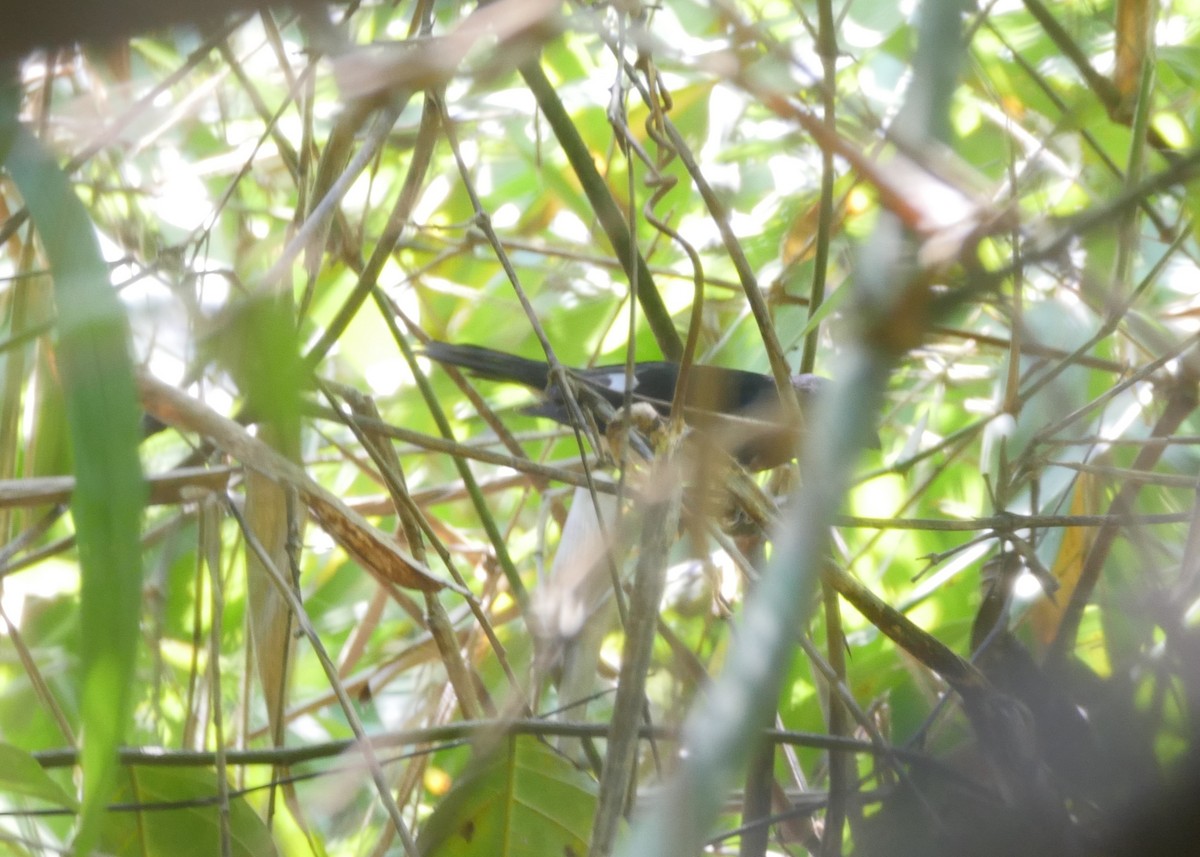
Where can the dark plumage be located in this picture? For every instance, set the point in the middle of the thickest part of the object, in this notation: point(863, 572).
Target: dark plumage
point(742, 409)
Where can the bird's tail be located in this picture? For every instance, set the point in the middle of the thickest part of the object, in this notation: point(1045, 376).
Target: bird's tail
point(493, 365)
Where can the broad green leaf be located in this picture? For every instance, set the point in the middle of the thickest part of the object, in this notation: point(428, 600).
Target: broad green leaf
point(174, 812)
point(20, 774)
point(527, 801)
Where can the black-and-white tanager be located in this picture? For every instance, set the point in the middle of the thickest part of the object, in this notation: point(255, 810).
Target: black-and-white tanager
point(741, 409)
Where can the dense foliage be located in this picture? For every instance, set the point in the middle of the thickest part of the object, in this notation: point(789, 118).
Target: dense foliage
point(361, 605)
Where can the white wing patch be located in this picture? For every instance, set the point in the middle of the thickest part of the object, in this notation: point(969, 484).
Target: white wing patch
point(614, 381)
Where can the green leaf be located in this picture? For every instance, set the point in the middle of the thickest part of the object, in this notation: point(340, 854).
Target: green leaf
point(526, 800)
point(20, 774)
point(103, 422)
point(178, 815)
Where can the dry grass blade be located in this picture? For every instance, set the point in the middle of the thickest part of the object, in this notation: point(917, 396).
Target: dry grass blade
point(377, 553)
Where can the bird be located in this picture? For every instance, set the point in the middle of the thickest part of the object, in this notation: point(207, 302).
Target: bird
point(740, 409)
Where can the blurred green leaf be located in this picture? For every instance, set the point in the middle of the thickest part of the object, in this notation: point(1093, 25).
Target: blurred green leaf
point(21, 775)
point(102, 415)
